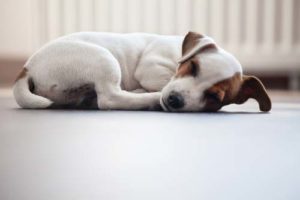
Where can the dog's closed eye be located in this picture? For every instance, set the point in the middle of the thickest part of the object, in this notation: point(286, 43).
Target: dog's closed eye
point(195, 68)
point(189, 68)
point(213, 100)
point(212, 97)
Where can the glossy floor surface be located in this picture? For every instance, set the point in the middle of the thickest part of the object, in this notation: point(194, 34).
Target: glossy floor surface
point(235, 154)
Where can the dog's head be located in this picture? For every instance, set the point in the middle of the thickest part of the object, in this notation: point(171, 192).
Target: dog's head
point(208, 78)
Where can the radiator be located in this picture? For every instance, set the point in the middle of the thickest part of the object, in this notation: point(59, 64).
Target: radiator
point(263, 34)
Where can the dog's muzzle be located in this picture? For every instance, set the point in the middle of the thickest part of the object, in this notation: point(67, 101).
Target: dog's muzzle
point(174, 101)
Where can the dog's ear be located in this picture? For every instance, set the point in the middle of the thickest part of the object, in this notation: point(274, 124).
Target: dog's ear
point(252, 87)
point(190, 40)
point(194, 43)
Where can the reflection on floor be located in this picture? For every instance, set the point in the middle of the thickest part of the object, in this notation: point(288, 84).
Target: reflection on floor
point(238, 153)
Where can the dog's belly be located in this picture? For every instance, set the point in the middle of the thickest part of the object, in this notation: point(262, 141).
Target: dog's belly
point(80, 96)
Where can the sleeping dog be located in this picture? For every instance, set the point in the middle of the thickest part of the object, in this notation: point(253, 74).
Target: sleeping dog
point(135, 71)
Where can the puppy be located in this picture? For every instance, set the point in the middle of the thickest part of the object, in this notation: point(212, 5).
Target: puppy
point(135, 71)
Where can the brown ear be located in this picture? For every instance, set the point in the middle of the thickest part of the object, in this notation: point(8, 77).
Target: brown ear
point(190, 40)
point(195, 43)
point(252, 87)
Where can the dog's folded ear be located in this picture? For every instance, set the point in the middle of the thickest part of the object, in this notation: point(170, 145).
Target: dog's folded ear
point(194, 43)
point(252, 87)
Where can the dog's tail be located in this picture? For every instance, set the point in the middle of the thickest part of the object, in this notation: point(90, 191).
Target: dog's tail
point(23, 95)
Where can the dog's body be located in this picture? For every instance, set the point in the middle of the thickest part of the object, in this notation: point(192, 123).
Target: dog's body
point(107, 62)
point(122, 71)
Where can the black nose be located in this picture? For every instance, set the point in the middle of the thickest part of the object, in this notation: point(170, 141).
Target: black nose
point(175, 100)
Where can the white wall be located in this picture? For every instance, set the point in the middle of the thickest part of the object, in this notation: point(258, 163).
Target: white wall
point(264, 35)
point(15, 28)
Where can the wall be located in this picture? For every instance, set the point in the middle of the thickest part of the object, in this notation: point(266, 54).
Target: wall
point(15, 29)
point(263, 34)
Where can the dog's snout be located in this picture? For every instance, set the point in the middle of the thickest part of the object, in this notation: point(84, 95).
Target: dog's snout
point(175, 100)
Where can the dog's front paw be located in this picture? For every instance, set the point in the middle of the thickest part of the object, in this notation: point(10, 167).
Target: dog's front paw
point(155, 104)
point(156, 107)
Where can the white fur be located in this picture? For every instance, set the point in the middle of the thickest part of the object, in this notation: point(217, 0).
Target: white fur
point(31, 100)
point(215, 65)
point(117, 64)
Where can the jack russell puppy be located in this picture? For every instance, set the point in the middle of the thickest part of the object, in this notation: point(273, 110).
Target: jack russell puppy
point(135, 71)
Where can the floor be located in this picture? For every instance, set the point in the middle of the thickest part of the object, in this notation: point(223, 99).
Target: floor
point(235, 154)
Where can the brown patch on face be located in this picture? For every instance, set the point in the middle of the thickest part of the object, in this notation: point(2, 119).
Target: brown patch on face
point(189, 41)
point(188, 68)
point(22, 74)
point(222, 93)
point(237, 89)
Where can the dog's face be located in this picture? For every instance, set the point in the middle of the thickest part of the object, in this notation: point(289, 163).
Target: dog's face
point(208, 78)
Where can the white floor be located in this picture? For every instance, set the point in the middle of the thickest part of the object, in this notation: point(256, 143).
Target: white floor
point(237, 154)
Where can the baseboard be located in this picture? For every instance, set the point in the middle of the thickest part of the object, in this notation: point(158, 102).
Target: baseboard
point(9, 69)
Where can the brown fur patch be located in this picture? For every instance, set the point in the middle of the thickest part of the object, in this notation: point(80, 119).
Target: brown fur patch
point(222, 93)
point(208, 47)
point(188, 68)
point(230, 87)
point(22, 74)
point(189, 41)
point(252, 87)
point(237, 89)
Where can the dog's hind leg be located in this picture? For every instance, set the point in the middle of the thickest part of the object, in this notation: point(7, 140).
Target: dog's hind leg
point(110, 96)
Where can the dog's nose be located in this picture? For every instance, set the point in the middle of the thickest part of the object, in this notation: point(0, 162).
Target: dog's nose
point(175, 100)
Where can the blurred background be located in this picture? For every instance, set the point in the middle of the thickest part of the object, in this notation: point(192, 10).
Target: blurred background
point(263, 34)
